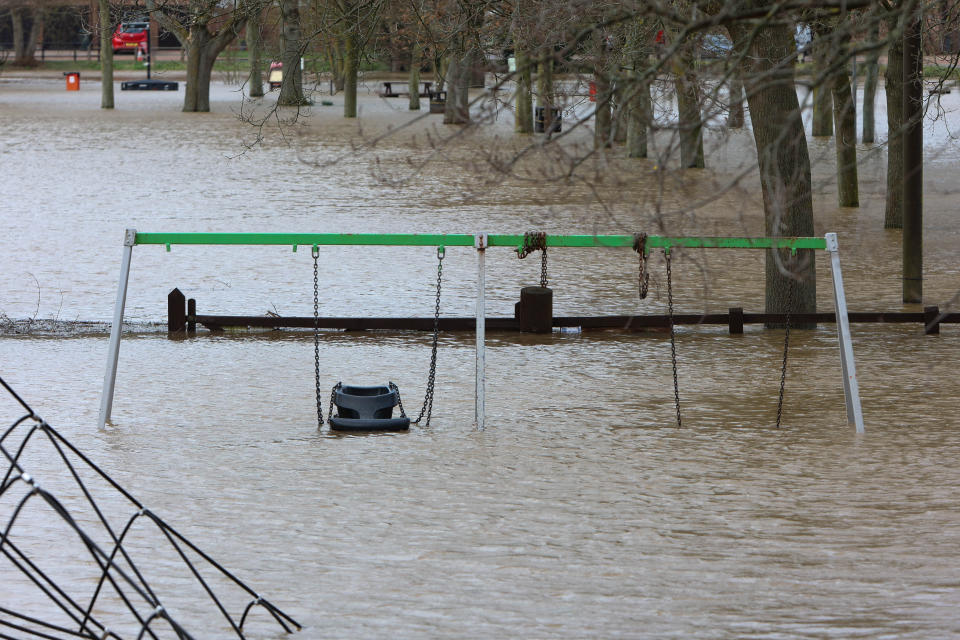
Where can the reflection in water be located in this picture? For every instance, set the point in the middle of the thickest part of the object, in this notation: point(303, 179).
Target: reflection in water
point(581, 511)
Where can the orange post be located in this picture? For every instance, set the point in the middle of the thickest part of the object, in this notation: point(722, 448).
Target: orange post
point(73, 80)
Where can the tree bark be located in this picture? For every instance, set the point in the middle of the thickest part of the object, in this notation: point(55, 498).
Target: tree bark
point(351, 73)
point(291, 89)
point(641, 109)
point(784, 161)
point(620, 111)
point(822, 98)
point(457, 110)
point(255, 53)
point(913, 155)
point(200, 59)
point(688, 108)
point(845, 116)
point(870, 84)
point(25, 43)
point(893, 213)
point(106, 55)
point(524, 98)
point(735, 115)
point(545, 98)
point(639, 105)
point(416, 59)
point(603, 126)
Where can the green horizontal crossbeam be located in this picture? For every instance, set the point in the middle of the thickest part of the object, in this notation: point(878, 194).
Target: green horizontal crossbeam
point(467, 240)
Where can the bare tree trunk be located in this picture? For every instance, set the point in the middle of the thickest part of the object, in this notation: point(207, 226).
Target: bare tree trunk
point(620, 111)
point(200, 58)
point(603, 125)
point(106, 55)
point(524, 98)
point(457, 110)
point(545, 98)
point(783, 159)
point(870, 84)
point(845, 116)
point(893, 214)
point(735, 115)
point(822, 101)
point(291, 89)
point(912, 237)
point(416, 59)
point(640, 116)
point(19, 41)
point(352, 70)
point(25, 43)
point(255, 53)
point(640, 108)
point(688, 107)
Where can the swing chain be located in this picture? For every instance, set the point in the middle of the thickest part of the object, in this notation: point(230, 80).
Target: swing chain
point(315, 252)
point(535, 241)
point(396, 390)
point(643, 277)
point(427, 408)
point(786, 347)
point(333, 397)
point(673, 339)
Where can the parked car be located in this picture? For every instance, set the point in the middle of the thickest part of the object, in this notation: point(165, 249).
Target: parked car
point(130, 36)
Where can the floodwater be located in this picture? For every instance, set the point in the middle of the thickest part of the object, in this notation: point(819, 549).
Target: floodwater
point(582, 510)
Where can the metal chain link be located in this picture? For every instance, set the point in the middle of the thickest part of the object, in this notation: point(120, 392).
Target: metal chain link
point(673, 338)
point(535, 241)
point(786, 348)
point(427, 408)
point(643, 277)
point(396, 390)
point(333, 398)
point(315, 252)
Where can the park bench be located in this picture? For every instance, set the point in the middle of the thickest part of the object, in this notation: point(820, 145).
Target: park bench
point(388, 92)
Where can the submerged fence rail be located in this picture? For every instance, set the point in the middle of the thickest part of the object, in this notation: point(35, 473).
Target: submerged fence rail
point(182, 317)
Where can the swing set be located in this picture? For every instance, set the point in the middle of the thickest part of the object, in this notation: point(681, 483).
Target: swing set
point(357, 406)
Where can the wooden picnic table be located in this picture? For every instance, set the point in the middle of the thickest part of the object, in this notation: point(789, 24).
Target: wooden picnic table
point(388, 92)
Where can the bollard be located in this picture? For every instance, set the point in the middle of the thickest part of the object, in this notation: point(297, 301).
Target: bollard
point(73, 80)
point(176, 312)
point(931, 326)
point(534, 312)
point(735, 320)
point(192, 316)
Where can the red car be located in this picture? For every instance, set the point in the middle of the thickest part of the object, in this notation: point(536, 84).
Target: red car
point(130, 36)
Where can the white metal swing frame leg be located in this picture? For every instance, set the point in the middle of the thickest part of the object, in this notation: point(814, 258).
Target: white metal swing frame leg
point(851, 389)
point(480, 396)
point(113, 351)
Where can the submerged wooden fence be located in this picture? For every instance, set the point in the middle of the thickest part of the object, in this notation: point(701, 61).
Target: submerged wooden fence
point(182, 316)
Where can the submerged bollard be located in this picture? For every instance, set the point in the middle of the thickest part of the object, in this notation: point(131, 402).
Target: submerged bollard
point(534, 312)
point(176, 311)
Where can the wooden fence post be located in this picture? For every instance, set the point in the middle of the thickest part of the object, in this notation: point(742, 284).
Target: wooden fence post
point(176, 311)
point(191, 316)
point(931, 324)
point(735, 320)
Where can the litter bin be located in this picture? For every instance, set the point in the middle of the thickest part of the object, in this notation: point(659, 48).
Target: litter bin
point(539, 126)
point(73, 80)
point(438, 101)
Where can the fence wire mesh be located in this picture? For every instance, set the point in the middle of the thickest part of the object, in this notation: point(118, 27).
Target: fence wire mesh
point(67, 545)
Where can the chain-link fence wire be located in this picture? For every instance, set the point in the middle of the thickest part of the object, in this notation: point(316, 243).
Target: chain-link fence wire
point(119, 584)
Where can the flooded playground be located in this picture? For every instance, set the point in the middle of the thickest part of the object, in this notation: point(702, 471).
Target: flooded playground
point(581, 510)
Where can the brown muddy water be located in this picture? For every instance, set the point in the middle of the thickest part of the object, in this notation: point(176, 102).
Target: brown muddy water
point(582, 511)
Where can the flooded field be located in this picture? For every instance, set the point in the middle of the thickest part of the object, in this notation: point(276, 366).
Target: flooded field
point(582, 511)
